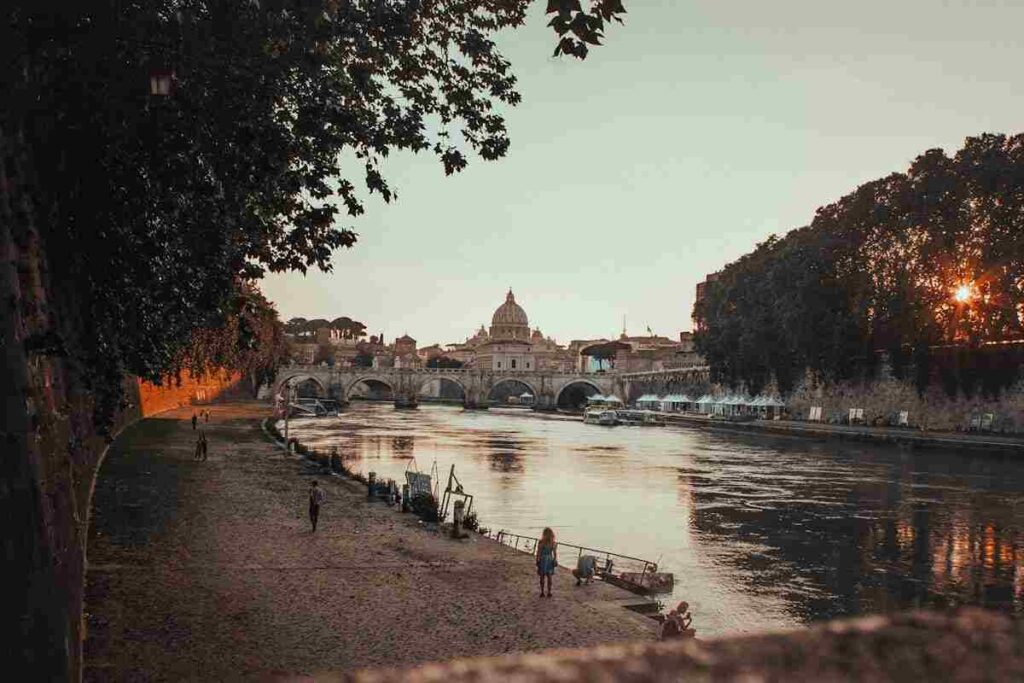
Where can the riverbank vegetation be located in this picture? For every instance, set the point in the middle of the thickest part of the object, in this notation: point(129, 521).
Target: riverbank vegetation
point(924, 269)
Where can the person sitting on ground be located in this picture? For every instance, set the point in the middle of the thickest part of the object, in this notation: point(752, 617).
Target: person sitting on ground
point(547, 558)
point(586, 567)
point(677, 623)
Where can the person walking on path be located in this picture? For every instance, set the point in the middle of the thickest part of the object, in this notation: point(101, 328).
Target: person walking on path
point(206, 416)
point(316, 498)
point(194, 420)
point(547, 558)
point(199, 448)
point(204, 445)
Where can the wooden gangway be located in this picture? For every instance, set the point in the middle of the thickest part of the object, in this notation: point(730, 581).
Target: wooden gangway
point(643, 579)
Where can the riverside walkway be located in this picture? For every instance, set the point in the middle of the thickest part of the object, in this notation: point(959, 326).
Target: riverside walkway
point(208, 570)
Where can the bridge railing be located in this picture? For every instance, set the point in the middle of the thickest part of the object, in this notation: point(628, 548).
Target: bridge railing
point(666, 371)
point(306, 367)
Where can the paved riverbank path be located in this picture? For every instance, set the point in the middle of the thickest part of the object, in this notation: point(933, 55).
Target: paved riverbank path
point(208, 570)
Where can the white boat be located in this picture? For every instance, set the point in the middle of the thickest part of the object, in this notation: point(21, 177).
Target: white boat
point(645, 418)
point(600, 416)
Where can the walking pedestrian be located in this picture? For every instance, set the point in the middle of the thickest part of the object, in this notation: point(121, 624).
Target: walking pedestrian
point(206, 417)
point(199, 448)
point(194, 420)
point(203, 444)
point(316, 498)
point(547, 558)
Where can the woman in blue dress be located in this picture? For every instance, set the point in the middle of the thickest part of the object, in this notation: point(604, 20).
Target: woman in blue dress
point(547, 558)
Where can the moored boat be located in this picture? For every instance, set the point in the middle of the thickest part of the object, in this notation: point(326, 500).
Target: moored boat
point(646, 418)
point(643, 583)
point(600, 416)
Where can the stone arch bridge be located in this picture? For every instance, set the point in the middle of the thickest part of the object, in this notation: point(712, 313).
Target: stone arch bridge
point(407, 383)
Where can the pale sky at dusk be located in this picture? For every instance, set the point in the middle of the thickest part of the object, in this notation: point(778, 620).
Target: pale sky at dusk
point(696, 131)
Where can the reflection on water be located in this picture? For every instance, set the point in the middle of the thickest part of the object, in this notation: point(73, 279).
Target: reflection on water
point(761, 532)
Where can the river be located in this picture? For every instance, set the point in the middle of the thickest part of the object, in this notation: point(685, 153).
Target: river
point(761, 532)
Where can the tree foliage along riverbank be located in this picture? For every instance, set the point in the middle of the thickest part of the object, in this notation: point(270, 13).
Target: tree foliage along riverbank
point(926, 265)
point(130, 214)
point(151, 207)
point(251, 340)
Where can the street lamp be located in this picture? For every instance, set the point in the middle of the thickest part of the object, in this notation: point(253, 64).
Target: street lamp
point(161, 82)
point(287, 412)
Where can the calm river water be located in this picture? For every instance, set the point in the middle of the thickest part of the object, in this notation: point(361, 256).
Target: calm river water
point(760, 532)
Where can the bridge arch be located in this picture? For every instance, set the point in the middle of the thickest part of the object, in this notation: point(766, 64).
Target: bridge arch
point(442, 377)
point(576, 382)
point(370, 380)
point(298, 379)
point(513, 379)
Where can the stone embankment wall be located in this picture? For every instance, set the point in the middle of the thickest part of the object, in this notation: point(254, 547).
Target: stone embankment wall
point(886, 397)
point(882, 398)
point(187, 390)
point(51, 446)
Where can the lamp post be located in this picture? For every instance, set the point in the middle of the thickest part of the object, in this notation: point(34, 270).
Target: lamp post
point(161, 81)
point(287, 412)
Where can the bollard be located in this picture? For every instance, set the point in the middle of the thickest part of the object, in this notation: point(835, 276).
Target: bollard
point(405, 497)
point(458, 509)
point(371, 484)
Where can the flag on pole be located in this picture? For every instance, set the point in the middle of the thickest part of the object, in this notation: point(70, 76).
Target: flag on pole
point(649, 331)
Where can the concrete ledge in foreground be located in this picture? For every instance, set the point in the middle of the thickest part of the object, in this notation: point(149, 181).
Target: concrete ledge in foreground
point(969, 645)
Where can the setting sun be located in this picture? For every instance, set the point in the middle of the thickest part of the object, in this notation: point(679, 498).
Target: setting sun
point(964, 293)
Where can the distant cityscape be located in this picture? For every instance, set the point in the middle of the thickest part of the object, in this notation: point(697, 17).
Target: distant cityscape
point(508, 344)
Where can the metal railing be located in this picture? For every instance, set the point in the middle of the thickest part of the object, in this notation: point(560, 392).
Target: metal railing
point(682, 369)
point(527, 544)
point(313, 367)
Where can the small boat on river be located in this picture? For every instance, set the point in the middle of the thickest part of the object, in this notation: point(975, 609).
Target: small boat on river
point(622, 416)
point(642, 583)
point(600, 416)
point(645, 418)
point(315, 407)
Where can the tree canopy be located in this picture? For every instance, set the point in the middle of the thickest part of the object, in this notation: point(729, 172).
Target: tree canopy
point(251, 340)
point(926, 265)
point(350, 329)
point(151, 207)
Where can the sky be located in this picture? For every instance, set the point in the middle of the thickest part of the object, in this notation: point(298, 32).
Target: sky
point(695, 132)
